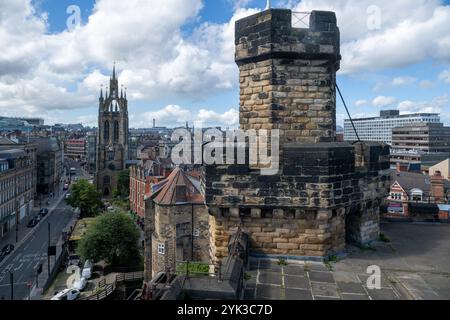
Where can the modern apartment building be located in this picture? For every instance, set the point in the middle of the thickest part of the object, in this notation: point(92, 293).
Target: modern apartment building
point(412, 143)
point(379, 129)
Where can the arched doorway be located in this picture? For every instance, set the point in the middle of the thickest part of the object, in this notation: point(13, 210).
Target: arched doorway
point(106, 192)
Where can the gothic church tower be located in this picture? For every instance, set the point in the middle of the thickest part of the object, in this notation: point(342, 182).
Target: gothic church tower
point(112, 136)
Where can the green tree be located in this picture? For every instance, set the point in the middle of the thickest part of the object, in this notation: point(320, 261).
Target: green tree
point(85, 196)
point(112, 237)
point(123, 184)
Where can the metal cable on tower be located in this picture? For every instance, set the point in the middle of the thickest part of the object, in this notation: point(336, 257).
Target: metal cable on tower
point(345, 105)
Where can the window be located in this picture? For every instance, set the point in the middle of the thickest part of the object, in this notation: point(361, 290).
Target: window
point(161, 248)
point(106, 131)
point(116, 131)
point(196, 233)
point(106, 180)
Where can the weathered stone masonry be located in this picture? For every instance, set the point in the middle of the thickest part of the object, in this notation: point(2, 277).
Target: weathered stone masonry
point(326, 193)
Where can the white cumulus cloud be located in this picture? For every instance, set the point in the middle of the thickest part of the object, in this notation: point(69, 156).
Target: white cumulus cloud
point(383, 101)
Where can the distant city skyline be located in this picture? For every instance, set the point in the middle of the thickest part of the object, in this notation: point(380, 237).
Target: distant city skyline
point(177, 58)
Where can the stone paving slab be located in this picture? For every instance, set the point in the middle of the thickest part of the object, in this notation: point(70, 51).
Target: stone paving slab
point(321, 276)
point(266, 277)
point(269, 266)
point(298, 294)
point(351, 288)
point(316, 267)
point(382, 294)
point(294, 270)
point(264, 291)
point(414, 265)
point(348, 296)
point(325, 298)
point(324, 289)
point(296, 282)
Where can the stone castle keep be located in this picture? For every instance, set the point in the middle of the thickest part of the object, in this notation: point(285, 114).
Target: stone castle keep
point(326, 192)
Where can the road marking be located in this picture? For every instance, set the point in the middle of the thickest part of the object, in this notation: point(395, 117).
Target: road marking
point(36, 265)
point(17, 257)
point(19, 267)
point(15, 284)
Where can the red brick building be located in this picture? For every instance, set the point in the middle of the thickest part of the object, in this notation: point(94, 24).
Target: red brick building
point(142, 178)
point(415, 188)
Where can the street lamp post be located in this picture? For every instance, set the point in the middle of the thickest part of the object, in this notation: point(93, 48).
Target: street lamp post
point(11, 281)
point(48, 255)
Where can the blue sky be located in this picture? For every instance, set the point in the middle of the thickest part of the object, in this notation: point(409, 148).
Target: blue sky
point(177, 57)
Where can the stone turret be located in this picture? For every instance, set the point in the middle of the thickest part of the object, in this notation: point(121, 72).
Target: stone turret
point(326, 193)
point(288, 75)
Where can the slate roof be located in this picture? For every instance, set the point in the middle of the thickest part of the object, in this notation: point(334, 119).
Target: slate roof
point(411, 180)
point(179, 188)
point(12, 153)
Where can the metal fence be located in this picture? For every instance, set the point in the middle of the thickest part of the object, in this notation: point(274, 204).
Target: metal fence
point(108, 289)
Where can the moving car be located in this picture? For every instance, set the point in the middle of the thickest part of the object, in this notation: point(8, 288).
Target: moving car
point(43, 212)
point(6, 250)
point(67, 294)
point(80, 284)
point(87, 269)
point(33, 222)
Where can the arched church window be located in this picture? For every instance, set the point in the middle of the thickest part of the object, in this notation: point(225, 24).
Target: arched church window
point(106, 180)
point(106, 131)
point(116, 131)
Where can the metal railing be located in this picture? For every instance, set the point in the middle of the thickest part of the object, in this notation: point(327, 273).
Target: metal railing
point(108, 289)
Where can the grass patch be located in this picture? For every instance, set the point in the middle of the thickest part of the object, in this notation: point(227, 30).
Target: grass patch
point(282, 262)
point(194, 268)
point(383, 238)
point(331, 259)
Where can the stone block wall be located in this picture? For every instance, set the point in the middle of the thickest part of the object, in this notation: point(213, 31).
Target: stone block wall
point(288, 75)
point(172, 226)
point(319, 200)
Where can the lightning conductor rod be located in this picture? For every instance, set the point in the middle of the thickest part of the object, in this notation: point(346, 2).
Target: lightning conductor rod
point(345, 105)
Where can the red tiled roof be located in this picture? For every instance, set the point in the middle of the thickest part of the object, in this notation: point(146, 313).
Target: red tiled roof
point(178, 188)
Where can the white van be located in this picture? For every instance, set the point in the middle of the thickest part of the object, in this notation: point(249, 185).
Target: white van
point(87, 269)
point(67, 294)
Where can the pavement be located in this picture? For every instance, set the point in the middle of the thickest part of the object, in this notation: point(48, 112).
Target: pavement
point(414, 265)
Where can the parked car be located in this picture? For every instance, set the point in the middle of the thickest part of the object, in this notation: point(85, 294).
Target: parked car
point(67, 294)
point(6, 250)
point(74, 260)
point(33, 222)
point(67, 195)
point(80, 284)
point(87, 269)
point(43, 212)
point(66, 186)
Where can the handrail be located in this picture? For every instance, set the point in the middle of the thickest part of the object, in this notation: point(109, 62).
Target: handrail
point(111, 287)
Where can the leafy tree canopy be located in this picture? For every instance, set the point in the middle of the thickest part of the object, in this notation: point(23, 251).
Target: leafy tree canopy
point(112, 237)
point(123, 184)
point(85, 196)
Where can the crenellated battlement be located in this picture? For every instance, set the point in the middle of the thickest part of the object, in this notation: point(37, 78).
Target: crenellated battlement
point(270, 34)
point(326, 192)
